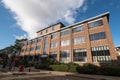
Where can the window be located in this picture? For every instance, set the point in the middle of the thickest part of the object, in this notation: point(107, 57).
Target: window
point(53, 28)
point(46, 30)
point(36, 57)
point(53, 54)
point(29, 42)
point(65, 32)
point(80, 55)
point(39, 40)
point(22, 50)
point(65, 56)
point(25, 43)
point(54, 35)
point(45, 44)
point(100, 54)
point(54, 44)
point(65, 42)
point(32, 48)
point(40, 33)
point(79, 40)
point(37, 47)
point(33, 41)
point(95, 24)
point(27, 49)
point(97, 36)
point(77, 29)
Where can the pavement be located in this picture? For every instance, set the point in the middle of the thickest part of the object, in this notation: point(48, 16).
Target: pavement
point(21, 75)
point(49, 75)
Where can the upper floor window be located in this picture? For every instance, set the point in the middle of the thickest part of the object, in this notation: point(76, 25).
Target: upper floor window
point(54, 35)
point(27, 49)
point(25, 43)
point(95, 24)
point(77, 29)
point(65, 32)
point(79, 40)
point(33, 41)
point(39, 40)
point(46, 30)
point(22, 50)
point(37, 47)
point(41, 33)
point(32, 48)
point(29, 42)
point(65, 42)
point(53, 28)
point(97, 36)
point(54, 44)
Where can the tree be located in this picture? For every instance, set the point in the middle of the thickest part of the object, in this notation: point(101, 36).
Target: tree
point(13, 49)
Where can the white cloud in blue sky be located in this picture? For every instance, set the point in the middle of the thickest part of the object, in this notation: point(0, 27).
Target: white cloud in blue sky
point(33, 15)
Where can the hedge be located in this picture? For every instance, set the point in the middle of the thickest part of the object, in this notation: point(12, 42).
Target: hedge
point(85, 69)
point(64, 67)
point(110, 70)
point(102, 70)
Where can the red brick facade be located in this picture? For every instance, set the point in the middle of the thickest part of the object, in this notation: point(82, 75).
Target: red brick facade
point(87, 44)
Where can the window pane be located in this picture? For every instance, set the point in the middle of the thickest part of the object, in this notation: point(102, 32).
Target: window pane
point(77, 29)
point(53, 55)
point(97, 36)
point(54, 35)
point(101, 54)
point(65, 32)
point(79, 40)
point(37, 47)
point(80, 55)
point(32, 41)
point(65, 56)
point(39, 40)
point(65, 42)
point(95, 24)
point(54, 44)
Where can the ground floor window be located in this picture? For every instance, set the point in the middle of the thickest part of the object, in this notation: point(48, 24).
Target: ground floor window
point(79, 55)
point(65, 56)
point(53, 55)
point(36, 57)
point(30, 58)
point(100, 54)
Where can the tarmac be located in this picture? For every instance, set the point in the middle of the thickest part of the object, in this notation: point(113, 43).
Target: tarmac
point(36, 74)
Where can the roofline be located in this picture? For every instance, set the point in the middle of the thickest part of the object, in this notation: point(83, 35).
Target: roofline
point(92, 18)
point(51, 26)
point(89, 19)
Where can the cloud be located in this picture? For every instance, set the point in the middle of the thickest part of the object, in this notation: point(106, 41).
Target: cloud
point(85, 7)
point(33, 15)
point(21, 37)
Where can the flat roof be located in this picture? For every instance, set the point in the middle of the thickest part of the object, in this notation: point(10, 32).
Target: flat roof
point(51, 26)
point(64, 27)
point(89, 19)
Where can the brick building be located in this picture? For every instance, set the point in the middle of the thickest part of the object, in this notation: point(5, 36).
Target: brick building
point(88, 41)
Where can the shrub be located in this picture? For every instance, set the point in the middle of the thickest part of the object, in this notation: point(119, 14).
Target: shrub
point(22, 62)
point(42, 66)
point(109, 70)
point(88, 69)
point(62, 67)
point(72, 67)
